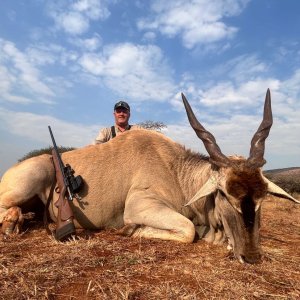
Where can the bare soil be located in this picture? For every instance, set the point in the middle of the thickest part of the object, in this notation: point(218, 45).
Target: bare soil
point(103, 265)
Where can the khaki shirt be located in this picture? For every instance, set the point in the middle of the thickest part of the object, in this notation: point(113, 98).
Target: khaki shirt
point(105, 134)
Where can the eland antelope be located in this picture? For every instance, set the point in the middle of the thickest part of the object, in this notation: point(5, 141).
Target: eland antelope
point(146, 185)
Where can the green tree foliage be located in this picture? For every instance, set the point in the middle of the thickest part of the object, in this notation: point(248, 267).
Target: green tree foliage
point(47, 150)
point(152, 125)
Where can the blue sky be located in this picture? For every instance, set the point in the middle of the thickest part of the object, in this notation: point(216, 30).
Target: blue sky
point(65, 63)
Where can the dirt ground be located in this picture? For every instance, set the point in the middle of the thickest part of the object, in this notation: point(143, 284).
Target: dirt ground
point(103, 265)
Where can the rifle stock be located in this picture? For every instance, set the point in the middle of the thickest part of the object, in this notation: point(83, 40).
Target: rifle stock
point(64, 209)
point(64, 225)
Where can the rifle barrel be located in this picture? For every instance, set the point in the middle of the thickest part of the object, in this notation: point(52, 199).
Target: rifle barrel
point(52, 137)
point(61, 165)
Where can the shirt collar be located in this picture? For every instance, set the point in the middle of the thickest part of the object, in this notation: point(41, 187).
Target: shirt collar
point(118, 130)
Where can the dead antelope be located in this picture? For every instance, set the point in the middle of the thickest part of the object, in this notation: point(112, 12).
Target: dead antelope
point(146, 185)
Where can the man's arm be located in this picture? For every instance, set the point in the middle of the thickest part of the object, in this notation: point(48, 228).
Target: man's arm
point(104, 136)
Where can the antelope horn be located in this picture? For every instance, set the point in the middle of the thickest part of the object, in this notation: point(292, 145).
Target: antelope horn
point(256, 157)
point(274, 189)
point(214, 151)
point(208, 188)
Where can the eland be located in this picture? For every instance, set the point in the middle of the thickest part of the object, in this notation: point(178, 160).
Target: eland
point(146, 185)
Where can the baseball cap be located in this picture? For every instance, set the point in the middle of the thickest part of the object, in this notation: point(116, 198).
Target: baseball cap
point(122, 104)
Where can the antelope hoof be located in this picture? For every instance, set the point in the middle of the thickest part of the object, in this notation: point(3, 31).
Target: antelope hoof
point(12, 221)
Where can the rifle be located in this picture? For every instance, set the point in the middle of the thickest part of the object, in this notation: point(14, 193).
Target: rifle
point(68, 186)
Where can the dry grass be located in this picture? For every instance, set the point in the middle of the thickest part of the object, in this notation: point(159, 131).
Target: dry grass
point(104, 265)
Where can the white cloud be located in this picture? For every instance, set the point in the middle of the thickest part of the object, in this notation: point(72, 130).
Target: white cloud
point(246, 94)
point(16, 99)
point(6, 85)
point(241, 68)
point(39, 56)
point(72, 22)
point(67, 134)
point(137, 71)
point(149, 36)
point(196, 21)
point(92, 63)
point(49, 54)
point(6, 79)
point(89, 44)
point(20, 75)
point(245, 87)
point(292, 88)
point(74, 17)
point(225, 97)
point(94, 9)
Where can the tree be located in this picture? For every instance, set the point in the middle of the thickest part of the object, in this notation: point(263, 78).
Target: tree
point(152, 125)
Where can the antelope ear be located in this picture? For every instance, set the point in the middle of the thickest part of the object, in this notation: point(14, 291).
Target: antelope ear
point(277, 191)
point(208, 188)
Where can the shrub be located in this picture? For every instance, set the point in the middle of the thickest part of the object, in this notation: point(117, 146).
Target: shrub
point(47, 150)
point(152, 125)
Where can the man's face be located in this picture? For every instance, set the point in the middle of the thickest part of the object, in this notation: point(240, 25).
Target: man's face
point(122, 116)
